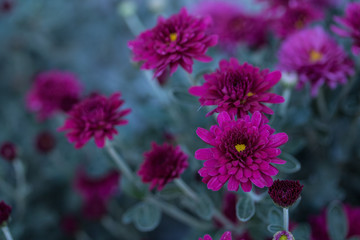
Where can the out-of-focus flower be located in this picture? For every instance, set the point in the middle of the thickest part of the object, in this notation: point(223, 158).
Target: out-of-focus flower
point(96, 192)
point(95, 117)
point(225, 236)
point(319, 230)
point(316, 58)
point(8, 151)
point(6, 5)
point(53, 91)
point(350, 23)
point(172, 42)
point(5, 211)
point(69, 225)
point(296, 18)
point(243, 153)
point(162, 164)
point(284, 193)
point(45, 142)
point(238, 89)
point(289, 3)
point(283, 235)
point(233, 25)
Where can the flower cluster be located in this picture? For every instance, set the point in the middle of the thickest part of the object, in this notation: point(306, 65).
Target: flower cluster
point(173, 42)
point(242, 153)
point(162, 164)
point(284, 193)
point(238, 89)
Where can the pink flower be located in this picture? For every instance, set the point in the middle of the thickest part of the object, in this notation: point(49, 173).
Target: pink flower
point(284, 193)
point(316, 3)
point(238, 89)
point(8, 151)
point(242, 153)
point(316, 58)
point(283, 235)
point(233, 25)
point(45, 142)
point(319, 224)
point(172, 42)
point(95, 117)
point(96, 192)
point(351, 23)
point(53, 91)
point(225, 236)
point(162, 164)
point(5, 211)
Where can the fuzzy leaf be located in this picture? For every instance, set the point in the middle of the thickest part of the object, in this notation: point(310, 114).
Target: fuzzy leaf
point(337, 222)
point(292, 165)
point(245, 208)
point(147, 217)
point(302, 232)
point(273, 228)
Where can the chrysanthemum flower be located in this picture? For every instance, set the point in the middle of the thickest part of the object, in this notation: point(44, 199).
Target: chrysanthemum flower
point(238, 89)
point(162, 164)
point(233, 25)
point(243, 153)
point(283, 235)
point(319, 229)
point(96, 192)
point(296, 18)
point(351, 23)
point(288, 3)
point(5, 211)
point(225, 236)
point(53, 91)
point(8, 151)
point(316, 58)
point(95, 117)
point(45, 142)
point(172, 42)
point(284, 193)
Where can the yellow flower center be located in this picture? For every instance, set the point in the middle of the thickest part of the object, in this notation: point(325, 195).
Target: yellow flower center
point(283, 237)
point(240, 147)
point(249, 94)
point(173, 36)
point(315, 56)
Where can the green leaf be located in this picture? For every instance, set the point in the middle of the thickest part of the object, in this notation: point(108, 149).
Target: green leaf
point(354, 238)
point(275, 216)
point(183, 97)
point(245, 208)
point(302, 232)
point(204, 208)
point(147, 217)
point(128, 216)
point(292, 165)
point(170, 191)
point(273, 228)
point(337, 222)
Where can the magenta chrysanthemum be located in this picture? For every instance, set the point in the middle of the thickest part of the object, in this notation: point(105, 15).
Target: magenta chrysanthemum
point(96, 192)
point(8, 151)
point(233, 25)
point(351, 23)
point(283, 235)
point(225, 236)
point(238, 89)
point(5, 211)
point(243, 153)
point(284, 193)
point(162, 164)
point(172, 42)
point(316, 58)
point(53, 91)
point(45, 142)
point(95, 117)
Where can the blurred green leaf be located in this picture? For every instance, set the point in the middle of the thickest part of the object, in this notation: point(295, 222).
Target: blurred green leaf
point(337, 222)
point(292, 165)
point(245, 208)
point(147, 217)
point(302, 232)
point(275, 216)
point(273, 228)
point(170, 191)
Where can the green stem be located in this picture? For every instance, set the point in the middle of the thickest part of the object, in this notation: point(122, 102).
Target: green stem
point(21, 186)
point(321, 104)
point(286, 218)
point(120, 162)
point(7, 233)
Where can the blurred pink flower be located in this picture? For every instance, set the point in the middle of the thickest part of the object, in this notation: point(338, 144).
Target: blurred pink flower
point(96, 192)
point(45, 142)
point(5, 211)
point(97, 117)
point(316, 58)
point(162, 164)
point(238, 89)
point(53, 91)
point(242, 153)
point(351, 25)
point(8, 151)
point(225, 236)
point(172, 42)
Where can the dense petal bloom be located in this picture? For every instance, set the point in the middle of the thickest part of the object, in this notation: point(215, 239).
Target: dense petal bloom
point(95, 117)
point(96, 192)
point(162, 164)
point(243, 153)
point(53, 91)
point(283, 235)
point(45, 142)
point(5, 211)
point(284, 193)
point(316, 58)
point(225, 236)
point(172, 42)
point(238, 89)
point(8, 151)
point(233, 25)
point(351, 23)
point(319, 229)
